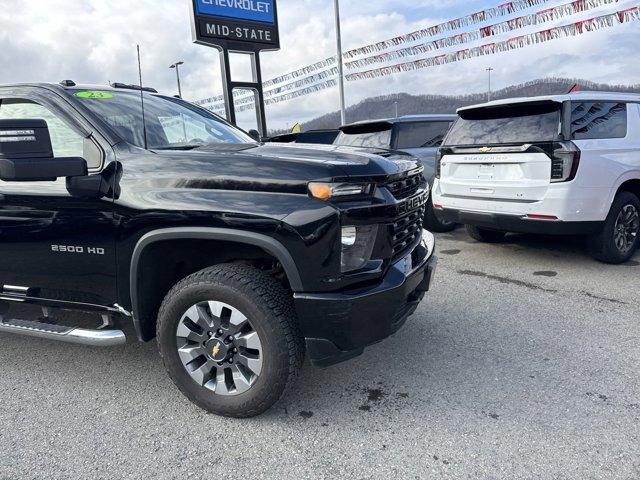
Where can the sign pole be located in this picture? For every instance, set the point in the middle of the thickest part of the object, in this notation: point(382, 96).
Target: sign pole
point(227, 86)
point(343, 112)
point(259, 94)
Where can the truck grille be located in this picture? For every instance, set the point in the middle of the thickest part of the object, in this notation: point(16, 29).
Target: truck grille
point(407, 230)
point(402, 189)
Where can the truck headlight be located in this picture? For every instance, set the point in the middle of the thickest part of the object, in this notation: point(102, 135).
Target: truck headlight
point(326, 191)
point(357, 246)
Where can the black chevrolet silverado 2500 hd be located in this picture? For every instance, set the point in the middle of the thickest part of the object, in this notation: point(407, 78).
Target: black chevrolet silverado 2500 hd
point(239, 257)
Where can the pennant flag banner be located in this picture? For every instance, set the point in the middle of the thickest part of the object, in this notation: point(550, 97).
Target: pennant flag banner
point(277, 80)
point(538, 18)
point(571, 30)
point(458, 23)
point(323, 74)
point(205, 101)
point(292, 95)
point(249, 98)
point(327, 62)
point(507, 8)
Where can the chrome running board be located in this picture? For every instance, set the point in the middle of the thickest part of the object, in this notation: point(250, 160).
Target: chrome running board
point(80, 336)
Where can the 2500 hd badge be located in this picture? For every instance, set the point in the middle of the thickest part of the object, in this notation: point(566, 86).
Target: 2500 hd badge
point(239, 258)
point(77, 249)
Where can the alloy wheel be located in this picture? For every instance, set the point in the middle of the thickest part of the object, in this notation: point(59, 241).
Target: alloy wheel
point(219, 348)
point(626, 228)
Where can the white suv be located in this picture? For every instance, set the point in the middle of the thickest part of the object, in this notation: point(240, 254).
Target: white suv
point(567, 164)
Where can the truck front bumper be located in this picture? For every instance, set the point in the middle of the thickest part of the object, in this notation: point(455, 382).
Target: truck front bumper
point(338, 326)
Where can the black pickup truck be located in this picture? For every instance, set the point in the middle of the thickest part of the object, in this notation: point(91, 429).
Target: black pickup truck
point(167, 222)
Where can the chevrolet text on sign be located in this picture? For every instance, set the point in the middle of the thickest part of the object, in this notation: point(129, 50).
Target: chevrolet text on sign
point(256, 10)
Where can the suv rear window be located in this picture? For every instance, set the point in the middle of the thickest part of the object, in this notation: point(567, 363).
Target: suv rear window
point(421, 134)
point(517, 123)
point(593, 120)
point(373, 135)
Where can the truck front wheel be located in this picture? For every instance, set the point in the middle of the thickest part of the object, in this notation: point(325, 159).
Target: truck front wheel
point(228, 336)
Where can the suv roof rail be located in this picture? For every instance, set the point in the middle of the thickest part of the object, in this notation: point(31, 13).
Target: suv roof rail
point(133, 87)
point(68, 83)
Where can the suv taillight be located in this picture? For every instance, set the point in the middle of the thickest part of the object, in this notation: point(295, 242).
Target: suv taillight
point(565, 162)
point(439, 162)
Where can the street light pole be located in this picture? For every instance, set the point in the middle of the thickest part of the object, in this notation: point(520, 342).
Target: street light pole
point(343, 113)
point(490, 69)
point(177, 67)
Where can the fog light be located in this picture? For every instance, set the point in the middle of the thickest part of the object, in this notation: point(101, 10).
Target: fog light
point(357, 246)
point(349, 235)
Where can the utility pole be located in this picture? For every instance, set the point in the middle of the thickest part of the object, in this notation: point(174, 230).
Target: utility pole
point(489, 70)
point(343, 112)
point(177, 67)
point(396, 104)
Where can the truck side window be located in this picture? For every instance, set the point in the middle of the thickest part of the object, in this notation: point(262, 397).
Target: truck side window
point(65, 141)
point(594, 120)
point(422, 134)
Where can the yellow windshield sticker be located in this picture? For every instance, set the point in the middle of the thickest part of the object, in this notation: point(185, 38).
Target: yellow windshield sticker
point(94, 94)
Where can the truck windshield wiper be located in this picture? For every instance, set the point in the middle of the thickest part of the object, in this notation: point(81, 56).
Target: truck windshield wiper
point(179, 147)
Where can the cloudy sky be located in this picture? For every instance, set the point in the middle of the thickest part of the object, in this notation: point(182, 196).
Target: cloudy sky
point(93, 41)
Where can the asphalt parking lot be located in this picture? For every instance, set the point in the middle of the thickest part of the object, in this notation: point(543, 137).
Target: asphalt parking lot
point(523, 362)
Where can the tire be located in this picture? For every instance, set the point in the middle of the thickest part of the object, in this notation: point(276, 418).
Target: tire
point(269, 346)
point(435, 224)
point(485, 235)
point(604, 246)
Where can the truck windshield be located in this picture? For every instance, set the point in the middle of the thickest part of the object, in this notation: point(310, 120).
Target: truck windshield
point(170, 123)
point(517, 123)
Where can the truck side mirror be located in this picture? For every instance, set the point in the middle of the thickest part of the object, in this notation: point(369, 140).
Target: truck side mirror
point(255, 135)
point(26, 154)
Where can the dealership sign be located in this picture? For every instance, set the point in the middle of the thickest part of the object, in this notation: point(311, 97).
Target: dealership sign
point(239, 25)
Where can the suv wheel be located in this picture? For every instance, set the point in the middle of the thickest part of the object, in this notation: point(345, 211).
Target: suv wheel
point(228, 336)
point(618, 240)
point(485, 235)
point(435, 224)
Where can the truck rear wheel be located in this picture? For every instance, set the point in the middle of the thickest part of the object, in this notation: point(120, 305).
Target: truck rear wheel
point(229, 338)
point(619, 238)
point(485, 235)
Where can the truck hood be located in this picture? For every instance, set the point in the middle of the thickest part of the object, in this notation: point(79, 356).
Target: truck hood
point(351, 161)
point(266, 167)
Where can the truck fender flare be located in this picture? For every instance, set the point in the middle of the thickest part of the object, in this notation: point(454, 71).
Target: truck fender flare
point(270, 245)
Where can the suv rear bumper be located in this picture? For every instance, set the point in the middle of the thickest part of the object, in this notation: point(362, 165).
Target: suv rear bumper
point(568, 202)
point(338, 326)
point(518, 224)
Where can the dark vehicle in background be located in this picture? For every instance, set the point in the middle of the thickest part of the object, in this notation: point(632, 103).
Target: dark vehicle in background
point(239, 257)
point(319, 137)
point(418, 135)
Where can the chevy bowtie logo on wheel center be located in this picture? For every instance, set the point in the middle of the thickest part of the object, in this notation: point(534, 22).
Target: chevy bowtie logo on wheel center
point(217, 350)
